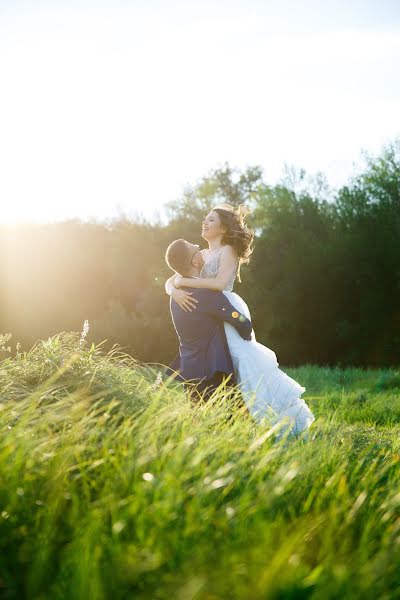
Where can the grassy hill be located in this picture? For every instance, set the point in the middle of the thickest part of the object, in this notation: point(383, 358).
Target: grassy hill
point(114, 487)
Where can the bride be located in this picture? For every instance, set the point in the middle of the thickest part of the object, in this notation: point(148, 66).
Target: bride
point(265, 388)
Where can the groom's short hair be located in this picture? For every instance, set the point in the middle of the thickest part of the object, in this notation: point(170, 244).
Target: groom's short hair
point(177, 257)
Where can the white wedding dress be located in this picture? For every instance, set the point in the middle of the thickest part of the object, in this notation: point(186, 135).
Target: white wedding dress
point(266, 390)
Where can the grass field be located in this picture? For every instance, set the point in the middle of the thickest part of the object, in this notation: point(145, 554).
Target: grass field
point(112, 487)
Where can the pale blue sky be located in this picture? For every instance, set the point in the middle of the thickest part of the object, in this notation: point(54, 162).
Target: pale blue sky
point(107, 104)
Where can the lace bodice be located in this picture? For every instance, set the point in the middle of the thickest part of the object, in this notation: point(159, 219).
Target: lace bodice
point(210, 269)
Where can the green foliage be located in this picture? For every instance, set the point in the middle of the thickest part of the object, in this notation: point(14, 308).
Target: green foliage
point(329, 271)
point(323, 285)
point(221, 186)
point(114, 486)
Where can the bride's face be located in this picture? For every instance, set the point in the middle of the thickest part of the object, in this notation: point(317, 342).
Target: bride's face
point(212, 228)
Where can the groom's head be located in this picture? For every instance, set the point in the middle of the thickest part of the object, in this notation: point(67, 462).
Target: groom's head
point(184, 258)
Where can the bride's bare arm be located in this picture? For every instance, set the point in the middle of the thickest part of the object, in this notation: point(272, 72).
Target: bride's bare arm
point(182, 297)
point(169, 284)
point(226, 268)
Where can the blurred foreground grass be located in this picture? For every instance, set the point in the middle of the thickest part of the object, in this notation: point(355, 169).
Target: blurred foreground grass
point(112, 487)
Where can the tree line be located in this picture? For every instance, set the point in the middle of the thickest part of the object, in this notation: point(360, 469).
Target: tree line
point(323, 285)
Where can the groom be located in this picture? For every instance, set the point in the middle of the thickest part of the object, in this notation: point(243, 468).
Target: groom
point(204, 360)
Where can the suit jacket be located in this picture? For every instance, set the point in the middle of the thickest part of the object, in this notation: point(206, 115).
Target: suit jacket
point(203, 349)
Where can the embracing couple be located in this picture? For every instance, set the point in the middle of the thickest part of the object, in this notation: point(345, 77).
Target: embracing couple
point(213, 324)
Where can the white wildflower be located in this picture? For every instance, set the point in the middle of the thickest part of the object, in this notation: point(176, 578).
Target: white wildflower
point(157, 382)
point(84, 333)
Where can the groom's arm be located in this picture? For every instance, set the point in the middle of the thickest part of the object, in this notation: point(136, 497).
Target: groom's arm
point(219, 307)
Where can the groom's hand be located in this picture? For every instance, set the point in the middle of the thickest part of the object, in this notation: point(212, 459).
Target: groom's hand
point(247, 338)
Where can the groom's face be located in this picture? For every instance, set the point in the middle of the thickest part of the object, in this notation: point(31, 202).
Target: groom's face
point(196, 256)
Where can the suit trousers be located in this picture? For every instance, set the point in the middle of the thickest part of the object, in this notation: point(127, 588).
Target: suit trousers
point(202, 391)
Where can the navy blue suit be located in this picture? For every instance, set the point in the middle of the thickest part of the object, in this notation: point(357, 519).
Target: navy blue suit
point(203, 349)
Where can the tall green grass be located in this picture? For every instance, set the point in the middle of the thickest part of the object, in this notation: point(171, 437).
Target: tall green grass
point(114, 487)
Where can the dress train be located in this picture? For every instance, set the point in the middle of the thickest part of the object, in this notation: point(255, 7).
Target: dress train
point(266, 390)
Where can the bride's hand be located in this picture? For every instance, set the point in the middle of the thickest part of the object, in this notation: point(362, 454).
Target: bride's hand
point(184, 299)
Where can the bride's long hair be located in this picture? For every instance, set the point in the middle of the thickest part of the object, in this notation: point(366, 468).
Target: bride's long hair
point(237, 234)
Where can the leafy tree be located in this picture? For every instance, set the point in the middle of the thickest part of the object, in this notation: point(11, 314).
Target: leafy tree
point(323, 284)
